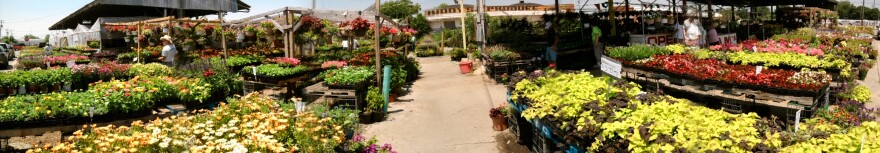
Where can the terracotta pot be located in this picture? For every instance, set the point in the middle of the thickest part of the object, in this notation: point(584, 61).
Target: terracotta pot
point(499, 123)
point(392, 98)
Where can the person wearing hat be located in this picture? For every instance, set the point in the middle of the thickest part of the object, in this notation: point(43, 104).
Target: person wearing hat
point(48, 49)
point(168, 51)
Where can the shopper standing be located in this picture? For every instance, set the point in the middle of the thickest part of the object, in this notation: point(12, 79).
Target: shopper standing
point(168, 51)
point(679, 31)
point(597, 46)
point(48, 49)
point(692, 33)
point(713, 35)
point(552, 50)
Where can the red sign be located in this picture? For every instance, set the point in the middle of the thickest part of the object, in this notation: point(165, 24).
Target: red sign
point(653, 39)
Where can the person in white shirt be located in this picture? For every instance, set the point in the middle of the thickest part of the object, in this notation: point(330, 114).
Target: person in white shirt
point(168, 51)
point(692, 32)
point(345, 44)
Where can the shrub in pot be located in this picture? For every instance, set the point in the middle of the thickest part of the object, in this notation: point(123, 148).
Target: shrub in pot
point(374, 112)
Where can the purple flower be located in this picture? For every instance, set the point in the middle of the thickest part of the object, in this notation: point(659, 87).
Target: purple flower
point(386, 147)
point(371, 149)
point(358, 138)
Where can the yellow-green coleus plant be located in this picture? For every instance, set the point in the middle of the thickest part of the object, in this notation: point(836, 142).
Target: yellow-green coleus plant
point(676, 125)
point(864, 138)
point(564, 97)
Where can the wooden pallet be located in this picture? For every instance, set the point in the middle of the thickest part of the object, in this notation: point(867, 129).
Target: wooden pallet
point(321, 89)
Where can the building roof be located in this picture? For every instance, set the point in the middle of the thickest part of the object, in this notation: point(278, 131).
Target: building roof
point(150, 8)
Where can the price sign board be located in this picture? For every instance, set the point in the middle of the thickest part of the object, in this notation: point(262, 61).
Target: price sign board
point(611, 67)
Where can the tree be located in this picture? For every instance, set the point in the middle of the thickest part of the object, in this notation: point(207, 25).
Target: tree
point(442, 5)
point(399, 9)
point(30, 36)
point(46, 39)
point(420, 24)
point(9, 40)
point(847, 10)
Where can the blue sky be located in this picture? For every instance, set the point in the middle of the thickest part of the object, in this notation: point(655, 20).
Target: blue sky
point(35, 16)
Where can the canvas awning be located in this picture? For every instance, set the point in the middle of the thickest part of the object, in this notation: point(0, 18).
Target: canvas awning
point(147, 8)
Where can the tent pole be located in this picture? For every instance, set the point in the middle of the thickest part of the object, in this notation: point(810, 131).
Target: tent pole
point(140, 38)
point(376, 43)
point(223, 37)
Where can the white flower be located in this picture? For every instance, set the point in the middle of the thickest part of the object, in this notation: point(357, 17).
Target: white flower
point(164, 144)
point(177, 142)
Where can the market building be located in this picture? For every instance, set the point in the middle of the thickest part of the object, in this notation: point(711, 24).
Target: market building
point(450, 16)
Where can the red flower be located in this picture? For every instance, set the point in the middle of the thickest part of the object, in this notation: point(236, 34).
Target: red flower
point(208, 73)
point(127, 94)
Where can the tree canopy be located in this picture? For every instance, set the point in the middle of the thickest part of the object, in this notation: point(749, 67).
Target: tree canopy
point(847, 10)
point(30, 36)
point(399, 9)
point(420, 24)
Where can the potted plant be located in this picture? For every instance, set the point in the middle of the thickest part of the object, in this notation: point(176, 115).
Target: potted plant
point(200, 30)
point(863, 71)
point(250, 31)
point(499, 119)
point(457, 54)
point(375, 104)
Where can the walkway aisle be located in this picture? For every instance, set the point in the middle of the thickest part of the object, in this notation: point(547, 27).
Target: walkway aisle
point(446, 112)
point(873, 81)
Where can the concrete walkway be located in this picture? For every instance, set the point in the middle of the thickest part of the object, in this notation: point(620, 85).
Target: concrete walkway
point(873, 81)
point(446, 111)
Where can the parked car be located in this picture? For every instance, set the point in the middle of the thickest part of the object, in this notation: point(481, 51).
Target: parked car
point(10, 51)
point(4, 58)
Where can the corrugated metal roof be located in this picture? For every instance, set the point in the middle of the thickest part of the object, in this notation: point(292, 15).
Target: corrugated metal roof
point(148, 8)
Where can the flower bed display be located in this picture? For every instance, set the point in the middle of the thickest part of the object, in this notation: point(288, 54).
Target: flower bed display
point(275, 71)
point(719, 73)
point(238, 62)
point(40, 78)
point(151, 69)
point(113, 98)
point(599, 114)
point(333, 64)
point(791, 60)
point(285, 61)
point(84, 74)
point(62, 60)
point(251, 124)
point(349, 77)
point(637, 52)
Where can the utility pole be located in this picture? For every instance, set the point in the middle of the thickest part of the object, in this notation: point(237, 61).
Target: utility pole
point(863, 12)
point(463, 26)
point(1, 28)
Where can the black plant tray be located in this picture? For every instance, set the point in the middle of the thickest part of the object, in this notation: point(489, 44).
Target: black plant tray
point(358, 86)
